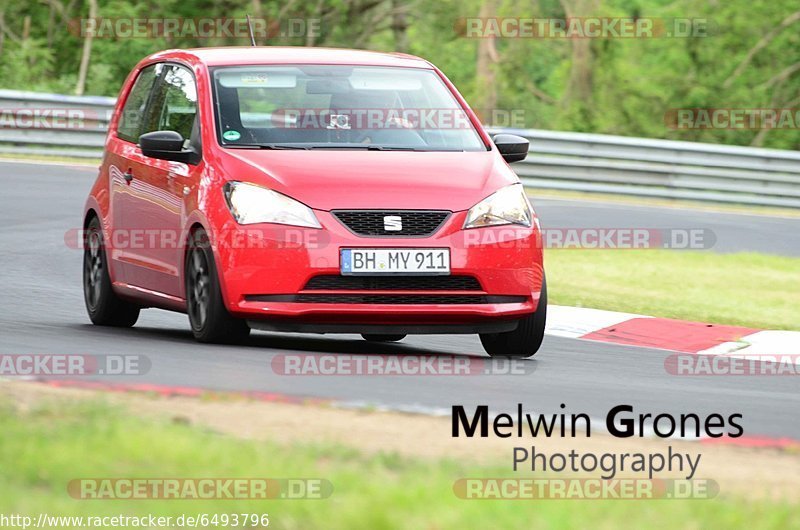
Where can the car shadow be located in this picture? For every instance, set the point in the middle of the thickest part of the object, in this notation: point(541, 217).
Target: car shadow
point(285, 342)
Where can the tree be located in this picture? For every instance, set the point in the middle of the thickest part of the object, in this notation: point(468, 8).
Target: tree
point(86, 55)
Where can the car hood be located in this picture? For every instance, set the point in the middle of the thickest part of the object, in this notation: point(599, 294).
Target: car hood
point(349, 179)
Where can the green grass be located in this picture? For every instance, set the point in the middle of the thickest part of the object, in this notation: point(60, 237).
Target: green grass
point(43, 449)
point(746, 289)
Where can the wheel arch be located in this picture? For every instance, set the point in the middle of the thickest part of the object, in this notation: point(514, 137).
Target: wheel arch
point(88, 216)
point(193, 226)
point(190, 230)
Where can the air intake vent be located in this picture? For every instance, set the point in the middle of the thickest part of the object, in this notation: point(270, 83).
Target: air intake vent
point(399, 299)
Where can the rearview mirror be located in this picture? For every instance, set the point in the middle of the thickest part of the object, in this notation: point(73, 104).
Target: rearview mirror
point(328, 86)
point(167, 145)
point(513, 148)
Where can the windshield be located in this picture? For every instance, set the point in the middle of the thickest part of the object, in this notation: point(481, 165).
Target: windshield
point(339, 107)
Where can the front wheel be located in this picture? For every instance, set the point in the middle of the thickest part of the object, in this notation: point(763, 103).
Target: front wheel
point(208, 316)
point(524, 341)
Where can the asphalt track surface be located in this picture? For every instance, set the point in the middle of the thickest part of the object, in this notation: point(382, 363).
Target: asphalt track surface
point(42, 312)
point(725, 232)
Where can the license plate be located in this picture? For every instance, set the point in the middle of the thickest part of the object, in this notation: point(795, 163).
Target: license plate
point(378, 261)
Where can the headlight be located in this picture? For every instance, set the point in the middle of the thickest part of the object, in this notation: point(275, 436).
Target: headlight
point(250, 204)
point(507, 206)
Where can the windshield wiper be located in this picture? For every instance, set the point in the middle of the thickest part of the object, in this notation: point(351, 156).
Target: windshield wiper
point(368, 147)
point(417, 149)
point(267, 146)
point(377, 147)
point(365, 147)
point(338, 146)
point(392, 148)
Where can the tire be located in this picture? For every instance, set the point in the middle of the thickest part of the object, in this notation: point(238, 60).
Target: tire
point(208, 316)
point(105, 308)
point(524, 341)
point(374, 337)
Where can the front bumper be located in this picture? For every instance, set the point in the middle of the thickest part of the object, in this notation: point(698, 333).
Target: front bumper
point(265, 268)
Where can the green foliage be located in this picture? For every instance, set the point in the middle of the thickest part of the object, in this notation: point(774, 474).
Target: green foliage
point(28, 62)
point(633, 82)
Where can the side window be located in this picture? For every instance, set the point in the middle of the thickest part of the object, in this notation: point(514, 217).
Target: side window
point(130, 122)
point(174, 103)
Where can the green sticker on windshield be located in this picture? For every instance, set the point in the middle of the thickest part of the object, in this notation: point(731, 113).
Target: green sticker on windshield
point(231, 136)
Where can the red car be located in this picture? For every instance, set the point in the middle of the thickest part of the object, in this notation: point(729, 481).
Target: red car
point(311, 190)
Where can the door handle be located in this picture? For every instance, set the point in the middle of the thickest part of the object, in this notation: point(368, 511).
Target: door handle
point(128, 176)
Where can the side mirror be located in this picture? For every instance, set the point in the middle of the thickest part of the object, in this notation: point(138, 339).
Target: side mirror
point(513, 148)
point(167, 145)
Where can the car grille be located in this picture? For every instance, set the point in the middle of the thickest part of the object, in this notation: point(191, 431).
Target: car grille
point(333, 282)
point(400, 299)
point(371, 223)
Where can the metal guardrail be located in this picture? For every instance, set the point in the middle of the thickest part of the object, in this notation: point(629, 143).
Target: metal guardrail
point(557, 160)
point(660, 168)
point(53, 124)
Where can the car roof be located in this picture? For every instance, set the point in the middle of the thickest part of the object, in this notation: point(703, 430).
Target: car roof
point(236, 55)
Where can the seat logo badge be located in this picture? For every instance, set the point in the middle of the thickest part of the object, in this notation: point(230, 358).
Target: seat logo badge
point(392, 223)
